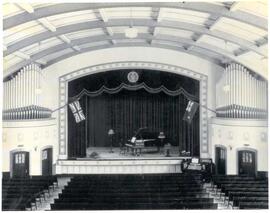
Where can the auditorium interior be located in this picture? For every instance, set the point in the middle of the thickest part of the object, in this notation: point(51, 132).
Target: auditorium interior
point(134, 105)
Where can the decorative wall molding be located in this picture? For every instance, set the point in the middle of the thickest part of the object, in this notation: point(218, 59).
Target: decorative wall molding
point(246, 136)
point(29, 123)
point(230, 135)
point(63, 95)
point(264, 137)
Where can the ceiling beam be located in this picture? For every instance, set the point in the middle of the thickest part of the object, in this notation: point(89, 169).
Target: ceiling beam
point(136, 22)
point(157, 18)
point(22, 55)
point(47, 24)
point(145, 36)
point(235, 6)
point(121, 36)
point(139, 44)
point(16, 67)
point(167, 38)
point(259, 43)
point(195, 6)
point(27, 58)
point(101, 13)
point(196, 37)
point(27, 7)
point(65, 39)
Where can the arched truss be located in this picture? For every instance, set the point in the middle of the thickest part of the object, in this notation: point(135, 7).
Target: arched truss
point(207, 25)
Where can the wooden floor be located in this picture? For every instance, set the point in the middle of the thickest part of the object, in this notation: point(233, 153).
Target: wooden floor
point(104, 153)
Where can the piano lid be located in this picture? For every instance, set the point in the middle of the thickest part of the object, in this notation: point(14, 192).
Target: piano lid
point(145, 133)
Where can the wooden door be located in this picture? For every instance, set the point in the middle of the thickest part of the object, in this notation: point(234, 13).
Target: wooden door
point(246, 163)
point(47, 161)
point(20, 165)
point(221, 160)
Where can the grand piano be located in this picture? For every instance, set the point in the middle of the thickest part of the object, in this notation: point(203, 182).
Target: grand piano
point(144, 139)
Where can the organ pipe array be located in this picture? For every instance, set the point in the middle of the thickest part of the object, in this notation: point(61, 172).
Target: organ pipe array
point(21, 95)
point(239, 94)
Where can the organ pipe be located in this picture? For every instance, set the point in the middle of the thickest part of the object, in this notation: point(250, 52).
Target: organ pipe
point(21, 99)
point(240, 94)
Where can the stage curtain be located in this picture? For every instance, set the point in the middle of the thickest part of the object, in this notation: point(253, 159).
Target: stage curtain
point(127, 111)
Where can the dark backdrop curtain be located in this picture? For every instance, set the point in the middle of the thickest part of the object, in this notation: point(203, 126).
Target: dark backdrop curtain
point(126, 111)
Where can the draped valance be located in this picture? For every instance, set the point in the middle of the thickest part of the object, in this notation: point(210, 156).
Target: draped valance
point(136, 87)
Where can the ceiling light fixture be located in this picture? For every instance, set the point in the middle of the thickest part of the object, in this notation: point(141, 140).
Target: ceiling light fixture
point(131, 32)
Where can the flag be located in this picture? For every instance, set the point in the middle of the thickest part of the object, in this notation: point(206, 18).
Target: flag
point(77, 111)
point(190, 111)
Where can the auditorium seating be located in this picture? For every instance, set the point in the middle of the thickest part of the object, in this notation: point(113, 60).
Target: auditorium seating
point(244, 192)
point(127, 192)
point(20, 193)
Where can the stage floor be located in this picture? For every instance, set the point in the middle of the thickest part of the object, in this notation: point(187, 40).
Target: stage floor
point(104, 153)
point(106, 162)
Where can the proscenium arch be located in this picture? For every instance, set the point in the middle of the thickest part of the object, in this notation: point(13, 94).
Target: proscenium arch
point(16, 67)
point(173, 39)
point(100, 47)
point(136, 22)
point(63, 97)
point(57, 9)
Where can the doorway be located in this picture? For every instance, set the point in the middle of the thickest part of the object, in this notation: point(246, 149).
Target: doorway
point(221, 160)
point(20, 164)
point(46, 161)
point(246, 163)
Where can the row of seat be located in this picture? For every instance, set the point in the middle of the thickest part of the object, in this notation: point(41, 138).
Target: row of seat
point(243, 191)
point(127, 192)
point(19, 193)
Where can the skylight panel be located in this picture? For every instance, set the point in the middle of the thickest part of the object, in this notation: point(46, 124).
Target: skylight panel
point(72, 18)
point(173, 32)
point(10, 9)
point(22, 31)
point(132, 12)
point(85, 33)
point(184, 15)
point(240, 29)
point(225, 45)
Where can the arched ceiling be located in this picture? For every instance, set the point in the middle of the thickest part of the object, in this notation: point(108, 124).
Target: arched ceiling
point(46, 33)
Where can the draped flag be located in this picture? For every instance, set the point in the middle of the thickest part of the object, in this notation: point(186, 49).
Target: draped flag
point(77, 111)
point(190, 111)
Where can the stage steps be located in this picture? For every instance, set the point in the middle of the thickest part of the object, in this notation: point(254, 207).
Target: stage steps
point(140, 192)
point(45, 205)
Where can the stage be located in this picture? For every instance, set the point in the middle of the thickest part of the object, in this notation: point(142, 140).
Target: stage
point(150, 153)
point(106, 162)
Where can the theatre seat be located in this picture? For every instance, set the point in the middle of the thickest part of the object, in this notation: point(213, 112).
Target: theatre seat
point(244, 192)
point(18, 194)
point(134, 192)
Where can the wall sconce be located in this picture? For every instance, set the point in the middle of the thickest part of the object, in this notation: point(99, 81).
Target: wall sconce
point(230, 147)
point(35, 148)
